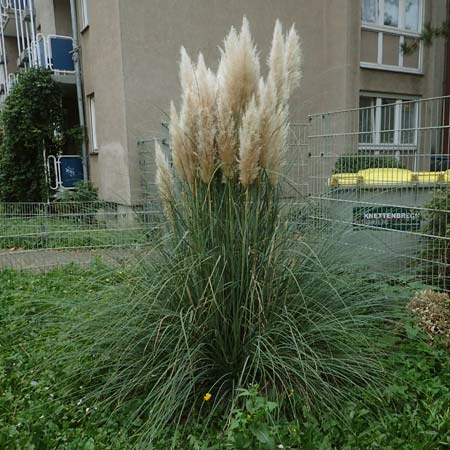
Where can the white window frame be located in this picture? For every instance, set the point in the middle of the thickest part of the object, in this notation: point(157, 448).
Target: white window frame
point(84, 14)
point(92, 123)
point(376, 144)
point(400, 31)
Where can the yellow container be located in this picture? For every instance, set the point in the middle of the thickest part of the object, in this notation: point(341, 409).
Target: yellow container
point(386, 176)
point(446, 176)
point(344, 179)
point(428, 177)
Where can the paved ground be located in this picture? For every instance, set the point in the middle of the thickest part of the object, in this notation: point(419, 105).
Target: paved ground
point(20, 259)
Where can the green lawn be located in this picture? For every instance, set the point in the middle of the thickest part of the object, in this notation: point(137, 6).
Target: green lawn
point(36, 412)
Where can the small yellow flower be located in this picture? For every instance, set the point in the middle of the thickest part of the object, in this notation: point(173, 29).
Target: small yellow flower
point(207, 397)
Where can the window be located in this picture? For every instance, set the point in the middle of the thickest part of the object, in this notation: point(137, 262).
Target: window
point(84, 14)
point(399, 14)
point(369, 11)
point(412, 14)
point(92, 123)
point(385, 121)
point(391, 13)
point(386, 26)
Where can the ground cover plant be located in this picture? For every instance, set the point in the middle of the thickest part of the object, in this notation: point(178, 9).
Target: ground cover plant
point(233, 310)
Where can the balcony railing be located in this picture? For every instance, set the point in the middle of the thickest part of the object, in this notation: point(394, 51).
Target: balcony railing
point(51, 52)
point(15, 5)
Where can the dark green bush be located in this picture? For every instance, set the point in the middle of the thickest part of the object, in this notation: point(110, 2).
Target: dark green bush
point(32, 121)
point(353, 163)
point(435, 250)
point(84, 191)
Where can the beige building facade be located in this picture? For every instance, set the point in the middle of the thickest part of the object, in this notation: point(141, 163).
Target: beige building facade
point(130, 50)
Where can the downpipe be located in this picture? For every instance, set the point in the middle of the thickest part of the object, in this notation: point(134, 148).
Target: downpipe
point(76, 60)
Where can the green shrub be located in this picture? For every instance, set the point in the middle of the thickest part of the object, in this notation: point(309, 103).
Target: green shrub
point(353, 163)
point(84, 191)
point(435, 251)
point(32, 121)
point(79, 205)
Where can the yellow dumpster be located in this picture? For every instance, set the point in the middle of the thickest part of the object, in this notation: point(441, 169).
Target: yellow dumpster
point(344, 179)
point(386, 176)
point(428, 177)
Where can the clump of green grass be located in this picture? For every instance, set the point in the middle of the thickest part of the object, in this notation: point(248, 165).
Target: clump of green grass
point(411, 411)
point(232, 296)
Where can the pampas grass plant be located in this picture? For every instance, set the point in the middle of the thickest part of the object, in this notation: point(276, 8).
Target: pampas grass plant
point(231, 296)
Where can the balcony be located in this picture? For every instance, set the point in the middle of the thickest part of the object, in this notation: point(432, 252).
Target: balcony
point(54, 53)
point(15, 14)
point(49, 52)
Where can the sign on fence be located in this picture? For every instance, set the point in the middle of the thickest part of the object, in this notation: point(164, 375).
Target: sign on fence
point(387, 217)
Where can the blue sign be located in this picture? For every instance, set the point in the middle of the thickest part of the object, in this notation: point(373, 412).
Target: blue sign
point(71, 171)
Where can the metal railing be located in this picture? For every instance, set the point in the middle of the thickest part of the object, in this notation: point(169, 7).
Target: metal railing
point(17, 18)
point(33, 229)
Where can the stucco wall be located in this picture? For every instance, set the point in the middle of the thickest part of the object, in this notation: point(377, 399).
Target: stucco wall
point(63, 23)
point(45, 16)
point(153, 32)
point(103, 76)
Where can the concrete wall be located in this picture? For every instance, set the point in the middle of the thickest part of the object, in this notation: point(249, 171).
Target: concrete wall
point(63, 22)
point(103, 76)
point(153, 32)
point(45, 16)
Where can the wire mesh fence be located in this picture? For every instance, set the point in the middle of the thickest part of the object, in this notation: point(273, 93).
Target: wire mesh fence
point(380, 173)
point(28, 231)
point(378, 176)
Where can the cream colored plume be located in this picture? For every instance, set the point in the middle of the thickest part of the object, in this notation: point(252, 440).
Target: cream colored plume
point(239, 70)
point(293, 61)
point(277, 61)
point(235, 123)
point(206, 120)
point(238, 77)
point(278, 141)
point(164, 179)
point(176, 137)
point(249, 145)
point(187, 120)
